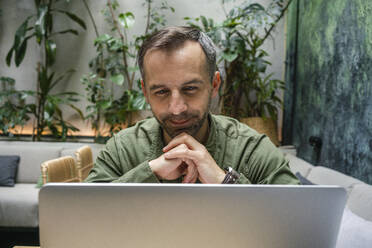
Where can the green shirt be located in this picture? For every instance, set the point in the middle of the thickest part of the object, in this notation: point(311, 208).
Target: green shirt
point(232, 144)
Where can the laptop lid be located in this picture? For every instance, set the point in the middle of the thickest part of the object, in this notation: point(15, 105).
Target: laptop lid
point(181, 215)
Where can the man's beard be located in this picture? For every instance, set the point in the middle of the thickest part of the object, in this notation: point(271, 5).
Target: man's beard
point(192, 129)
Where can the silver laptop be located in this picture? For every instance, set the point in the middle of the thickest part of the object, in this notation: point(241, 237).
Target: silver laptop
point(179, 216)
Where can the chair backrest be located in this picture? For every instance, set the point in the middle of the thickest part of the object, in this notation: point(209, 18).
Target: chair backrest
point(84, 162)
point(61, 169)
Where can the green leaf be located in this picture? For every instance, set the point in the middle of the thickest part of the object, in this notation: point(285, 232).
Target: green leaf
point(104, 104)
point(67, 93)
point(139, 103)
point(77, 110)
point(9, 56)
point(74, 17)
point(116, 44)
point(229, 56)
point(59, 78)
point(40, 26)
point(205, 22)
point(102, 38)
point(117, 79)
point(133, 69)
point(19, 44)
point(126, 19)
point(73, 31)
point(44, 81)
point(9, 80)
point(20, 53)
point(51, 49)
point(21, 33)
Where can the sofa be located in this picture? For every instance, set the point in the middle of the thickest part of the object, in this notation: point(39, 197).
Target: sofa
point(359, 194)
point(19, 204)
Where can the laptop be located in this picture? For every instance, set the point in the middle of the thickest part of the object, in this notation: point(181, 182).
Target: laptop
point(189, 215)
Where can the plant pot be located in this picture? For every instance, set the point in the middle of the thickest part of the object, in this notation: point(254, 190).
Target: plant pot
point(265, 126)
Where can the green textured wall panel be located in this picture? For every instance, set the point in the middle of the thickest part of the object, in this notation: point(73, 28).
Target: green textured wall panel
point(333, 77)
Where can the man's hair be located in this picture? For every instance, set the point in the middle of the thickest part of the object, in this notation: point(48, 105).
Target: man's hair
point(171, 38)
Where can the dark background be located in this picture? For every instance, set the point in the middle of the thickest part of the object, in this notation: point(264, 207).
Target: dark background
point(329, 84)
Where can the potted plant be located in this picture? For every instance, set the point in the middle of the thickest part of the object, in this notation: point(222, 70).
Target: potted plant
point(248, 93)
point(13, 108)
point(114, 67)
point(47, 107)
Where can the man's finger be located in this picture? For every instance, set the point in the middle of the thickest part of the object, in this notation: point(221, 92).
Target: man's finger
point(183, 138)
point(195, 177)
point(182, 168)
point(192, 172)
point(182, 153)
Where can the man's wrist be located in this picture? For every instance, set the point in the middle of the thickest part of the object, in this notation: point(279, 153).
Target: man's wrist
point(231, 176)
point(221, 177)
point(152, 165)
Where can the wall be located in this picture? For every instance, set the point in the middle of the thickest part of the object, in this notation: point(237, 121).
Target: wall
point(330, 82)
point(76, 51)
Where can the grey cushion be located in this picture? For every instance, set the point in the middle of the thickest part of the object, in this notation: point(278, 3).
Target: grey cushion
point(325, 176)
point(288, 150)
point(19, 206)
point(355, 232)
point(96, 148)
point(298, 165)
point(68, 152)
point(303, 180)
point(8, 170)
point(32, 156)
point(360, 201)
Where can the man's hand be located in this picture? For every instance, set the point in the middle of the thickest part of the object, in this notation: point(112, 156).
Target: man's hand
point(189, 149)
point(171, 169)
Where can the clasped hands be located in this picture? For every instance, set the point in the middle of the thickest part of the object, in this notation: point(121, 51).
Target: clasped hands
point(184, 155)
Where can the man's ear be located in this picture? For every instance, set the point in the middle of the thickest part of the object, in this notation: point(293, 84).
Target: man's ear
point(143, 89)
point(216, 83)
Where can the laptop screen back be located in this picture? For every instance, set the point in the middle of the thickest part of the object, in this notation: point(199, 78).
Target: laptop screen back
point(179, 215)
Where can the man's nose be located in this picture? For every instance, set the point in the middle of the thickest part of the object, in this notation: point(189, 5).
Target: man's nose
point(177, 103)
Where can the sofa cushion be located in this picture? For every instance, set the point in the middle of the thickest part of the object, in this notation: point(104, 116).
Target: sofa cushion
point(354, 232)
point(360, 201)
point(96, 148)
point(8, 170)
point(325, 176)
point(32, 156)
point(68, 152)
point(297, 164)
point(303, 180)
point(19, 206)
point(288, 150)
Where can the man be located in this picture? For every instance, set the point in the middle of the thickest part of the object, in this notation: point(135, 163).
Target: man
point(184, 142)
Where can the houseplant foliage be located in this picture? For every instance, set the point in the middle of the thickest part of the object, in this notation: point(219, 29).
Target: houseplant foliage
point(247, 90)
point(115, 67)
point(13, 108)
point(46, 109)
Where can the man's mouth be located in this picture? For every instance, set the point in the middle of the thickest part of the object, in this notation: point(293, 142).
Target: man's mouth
point(179, 122)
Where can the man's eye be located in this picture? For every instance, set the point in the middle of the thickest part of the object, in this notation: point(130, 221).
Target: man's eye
point(190, 89)
point(161, 92)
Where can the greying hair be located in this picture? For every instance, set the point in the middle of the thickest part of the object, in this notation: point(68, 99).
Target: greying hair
point(173, 38)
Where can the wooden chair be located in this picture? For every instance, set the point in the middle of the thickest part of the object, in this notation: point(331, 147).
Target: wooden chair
point(84, 162)
point(62, 169)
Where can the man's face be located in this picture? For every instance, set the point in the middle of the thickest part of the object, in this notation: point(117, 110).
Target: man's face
point(178, 88)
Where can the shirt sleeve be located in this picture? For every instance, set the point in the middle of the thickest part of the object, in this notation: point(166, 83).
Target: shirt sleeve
point(266, 164)
point(108, 167)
